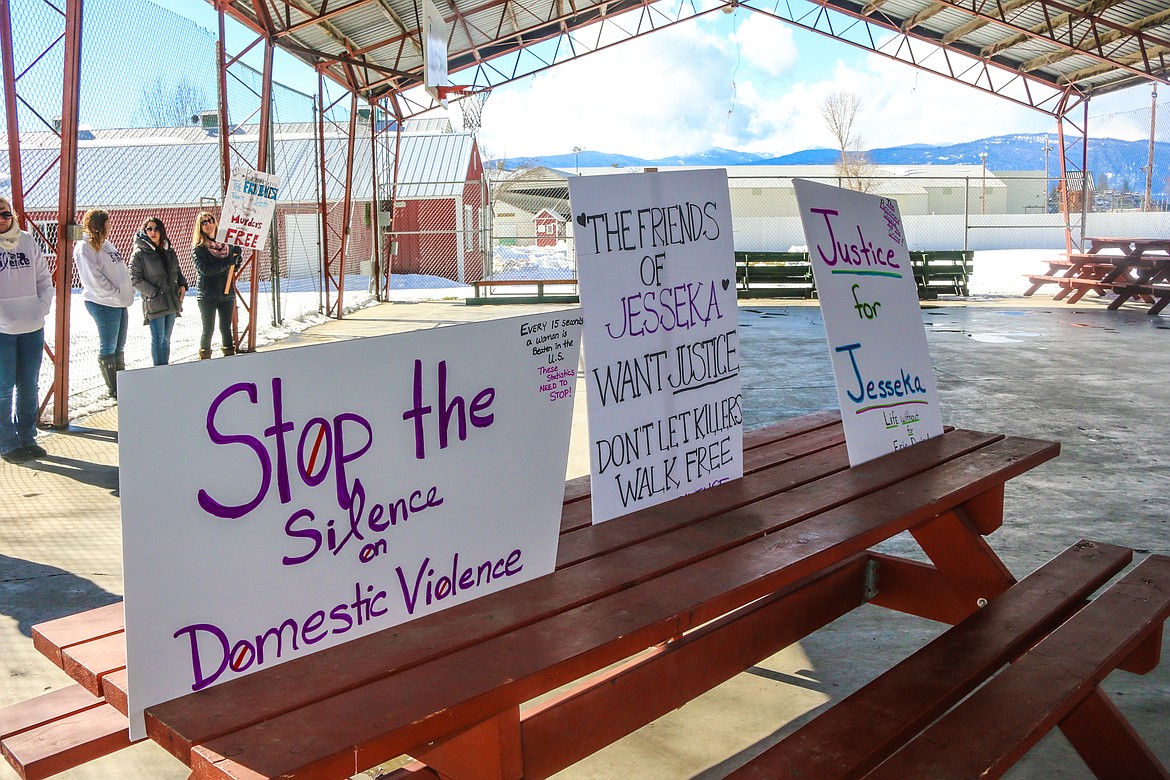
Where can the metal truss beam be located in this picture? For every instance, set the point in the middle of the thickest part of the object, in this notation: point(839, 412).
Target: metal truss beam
point(883, 35)
point(537, 49)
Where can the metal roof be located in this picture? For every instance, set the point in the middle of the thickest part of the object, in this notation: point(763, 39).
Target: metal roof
point(178, 166)
point(1047, 54)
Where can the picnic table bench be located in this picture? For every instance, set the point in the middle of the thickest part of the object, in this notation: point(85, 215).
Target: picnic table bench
point(488, 291)
point(648, 611)
point(789, 274)
point(1136, 269)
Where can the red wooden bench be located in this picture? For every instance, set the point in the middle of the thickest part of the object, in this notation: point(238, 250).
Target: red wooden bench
point(994, 728)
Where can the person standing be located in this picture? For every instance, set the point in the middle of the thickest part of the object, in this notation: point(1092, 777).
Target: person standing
point(216, 265)
point(26, 294)
point(155, 272)
point(107, 292)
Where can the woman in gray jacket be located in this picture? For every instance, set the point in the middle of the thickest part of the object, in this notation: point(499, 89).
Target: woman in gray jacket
point(155, 272)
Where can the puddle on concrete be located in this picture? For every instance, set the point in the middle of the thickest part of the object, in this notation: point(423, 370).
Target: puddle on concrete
point(1002, 338)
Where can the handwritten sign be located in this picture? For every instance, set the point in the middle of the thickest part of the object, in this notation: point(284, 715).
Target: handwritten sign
point(885, 382)
point(248, 209)
point(657, 280)
point(286, 502)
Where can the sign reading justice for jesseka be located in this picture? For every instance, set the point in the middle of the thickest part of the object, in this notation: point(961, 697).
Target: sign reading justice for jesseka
point(885, 381)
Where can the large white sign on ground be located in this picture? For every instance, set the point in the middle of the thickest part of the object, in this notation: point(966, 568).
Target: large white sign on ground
point(280, 503)
point(885, 381)
point(248, 208)
point(656, 269)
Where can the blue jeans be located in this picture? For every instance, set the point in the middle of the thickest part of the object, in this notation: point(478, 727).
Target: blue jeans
point(112, 324)
point(160, 339)
point(20, 369)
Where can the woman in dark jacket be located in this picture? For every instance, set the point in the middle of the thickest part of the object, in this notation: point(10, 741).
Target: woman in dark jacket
point(155, 272)
point(216, 264)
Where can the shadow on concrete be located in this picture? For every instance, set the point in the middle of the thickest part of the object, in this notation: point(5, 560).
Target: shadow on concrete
point(97, 474)
point(32, 593)
point(97, 434)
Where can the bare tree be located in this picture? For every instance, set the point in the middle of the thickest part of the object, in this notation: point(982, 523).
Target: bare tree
point(840, 111)
point(164, 105)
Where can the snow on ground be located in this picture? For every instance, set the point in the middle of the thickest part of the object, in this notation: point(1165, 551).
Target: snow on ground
point(1001, 272)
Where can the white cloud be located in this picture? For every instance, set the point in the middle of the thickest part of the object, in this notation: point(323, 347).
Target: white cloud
point(702, 84)
point(666, 93)
point(767, 44)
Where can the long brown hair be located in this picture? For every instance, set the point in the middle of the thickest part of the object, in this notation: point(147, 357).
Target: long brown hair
point(95, 222)
point(198, 238)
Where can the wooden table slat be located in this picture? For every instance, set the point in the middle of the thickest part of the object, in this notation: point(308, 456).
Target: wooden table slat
point(457, 690)
point(638, 550)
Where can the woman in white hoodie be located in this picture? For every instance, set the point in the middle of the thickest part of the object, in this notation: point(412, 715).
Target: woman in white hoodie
point(107, 292)
point(26, 293)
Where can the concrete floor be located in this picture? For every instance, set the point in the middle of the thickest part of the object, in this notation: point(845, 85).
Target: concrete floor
point(1092, 379)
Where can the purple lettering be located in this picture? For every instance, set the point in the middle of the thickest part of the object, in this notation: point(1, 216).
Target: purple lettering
point(206, 502)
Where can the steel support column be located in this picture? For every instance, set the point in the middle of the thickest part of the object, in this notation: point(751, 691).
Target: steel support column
point(335, 262)
point(1070, 159)
point(248, 340)
point(346, 203)
point(66, 210)
point(375, 244)
point(322, 195)
point(9, 68)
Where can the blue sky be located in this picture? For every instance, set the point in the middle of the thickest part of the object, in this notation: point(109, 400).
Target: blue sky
point(739, 81)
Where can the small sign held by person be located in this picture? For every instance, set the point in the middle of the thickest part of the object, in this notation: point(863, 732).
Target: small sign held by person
point(248, 209)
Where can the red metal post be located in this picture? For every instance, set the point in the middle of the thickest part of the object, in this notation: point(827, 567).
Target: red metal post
point(225, 163)
point(323, 197)
point(375, 244)
point(14, 167)
point(346, 203)
point(249, 340)
point(66, 208)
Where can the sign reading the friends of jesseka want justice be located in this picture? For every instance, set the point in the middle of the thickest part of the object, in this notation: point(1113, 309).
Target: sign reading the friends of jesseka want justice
point(885, 381)
point(657, 280)
point(287, 501)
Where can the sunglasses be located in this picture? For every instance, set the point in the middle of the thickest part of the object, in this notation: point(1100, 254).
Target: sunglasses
point(151, 229)
point(5, 215)
point(206, 221)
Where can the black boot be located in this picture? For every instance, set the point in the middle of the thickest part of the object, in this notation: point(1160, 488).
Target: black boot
point(109, 367)
point(120, 360)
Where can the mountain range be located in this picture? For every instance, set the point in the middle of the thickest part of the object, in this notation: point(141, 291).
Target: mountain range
point(1122, 162)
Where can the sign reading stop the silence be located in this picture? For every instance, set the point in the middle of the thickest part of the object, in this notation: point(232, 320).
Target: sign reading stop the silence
point(292, 500)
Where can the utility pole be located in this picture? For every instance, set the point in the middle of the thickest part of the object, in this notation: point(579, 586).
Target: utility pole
point(1150, 161)
point(983, 194)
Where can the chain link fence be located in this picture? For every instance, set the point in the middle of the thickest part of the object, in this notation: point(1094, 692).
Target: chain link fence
point(149, 147)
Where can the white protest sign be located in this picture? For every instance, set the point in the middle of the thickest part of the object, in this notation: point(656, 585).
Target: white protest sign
point(885, 381)
point(248, 208)
point(657, 279)
point(287, 501)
